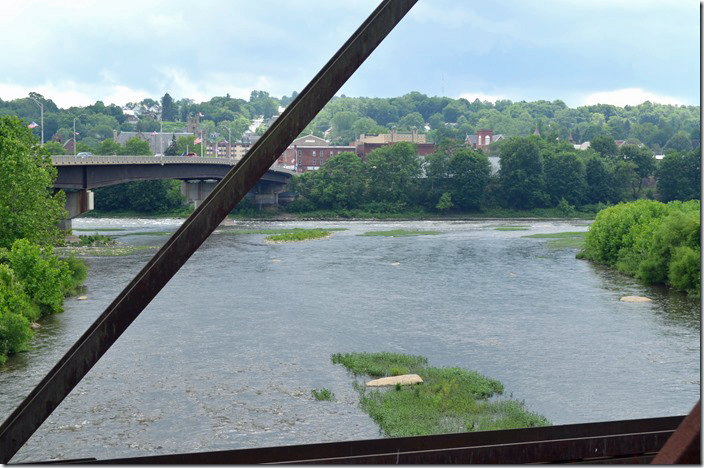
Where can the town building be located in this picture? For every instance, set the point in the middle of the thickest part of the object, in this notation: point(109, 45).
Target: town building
point(482, 139)
point(368, 143)
point(308, 153)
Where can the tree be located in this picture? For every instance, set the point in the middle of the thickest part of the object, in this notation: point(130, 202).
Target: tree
point(393, 171)
point(644, 164)
point(109, 147)
point(169, 111)
point(135, 146)
point(521, 175)
point(605, 146)
point(679, 176)
point(339, 184)
point(679, 142)
point(28, 207)
point(468, 173)
point(54, 148)
point(565, 177)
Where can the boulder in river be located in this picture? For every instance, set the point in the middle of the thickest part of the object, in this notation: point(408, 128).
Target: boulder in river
point(635, 299)
point(406, 379)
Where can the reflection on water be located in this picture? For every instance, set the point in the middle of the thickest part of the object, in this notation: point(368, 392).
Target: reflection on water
point(227, 354)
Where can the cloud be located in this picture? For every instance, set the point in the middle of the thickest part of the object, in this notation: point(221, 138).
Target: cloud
point(628, 96)
point(471, 96)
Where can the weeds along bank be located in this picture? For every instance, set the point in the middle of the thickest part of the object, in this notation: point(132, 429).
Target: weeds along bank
point(33, 284)
point(655, 242)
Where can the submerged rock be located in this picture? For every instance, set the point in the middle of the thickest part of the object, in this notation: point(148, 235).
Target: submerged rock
point(82, 298)
point(635, 299)
point(406, 379)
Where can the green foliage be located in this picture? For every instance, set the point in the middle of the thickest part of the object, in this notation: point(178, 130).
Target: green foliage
point(400, 233)
point(95, 240)
point(449, 399)
point(27, 207)
point(656, 242)
point(323, 394)
point(54, 148)
point(378, 364)
point(445, 202)
point(299, 235)
point(522, 177)
point(16, 312)
point(45, 278)
point(679, 176)
point(149, 196)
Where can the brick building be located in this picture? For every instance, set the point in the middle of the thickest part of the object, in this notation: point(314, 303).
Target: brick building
point(308, 153)
point(368, 143)
point(482, 139)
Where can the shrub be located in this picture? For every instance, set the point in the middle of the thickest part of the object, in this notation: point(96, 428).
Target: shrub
point(16, 312)
point(323, 394)
point(45, 277)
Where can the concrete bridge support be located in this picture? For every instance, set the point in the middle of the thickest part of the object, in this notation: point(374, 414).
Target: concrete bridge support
point(197, 190)
point(263, 194)
point(77, 202)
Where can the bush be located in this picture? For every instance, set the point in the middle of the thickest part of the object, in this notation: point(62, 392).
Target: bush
point(655, 242)
point(45, 277)
point(16, 312)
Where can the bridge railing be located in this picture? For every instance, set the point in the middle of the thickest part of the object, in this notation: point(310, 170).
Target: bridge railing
point(71, 160)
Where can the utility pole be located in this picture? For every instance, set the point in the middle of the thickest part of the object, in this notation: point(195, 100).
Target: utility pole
point(41, 111)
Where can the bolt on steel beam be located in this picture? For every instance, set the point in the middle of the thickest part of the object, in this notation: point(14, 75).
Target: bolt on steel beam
point(127, 306)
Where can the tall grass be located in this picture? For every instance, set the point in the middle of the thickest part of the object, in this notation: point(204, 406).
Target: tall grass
point(449, 399)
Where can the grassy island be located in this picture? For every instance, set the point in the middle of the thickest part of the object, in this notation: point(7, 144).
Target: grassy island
point(400, 233)
point(449, 399)
point(299, 235)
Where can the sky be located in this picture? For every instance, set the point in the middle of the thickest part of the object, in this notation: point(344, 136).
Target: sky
point(582, 52)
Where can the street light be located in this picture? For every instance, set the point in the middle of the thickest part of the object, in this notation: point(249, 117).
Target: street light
point(41, 109)
point(229, 141)
point(75, 143)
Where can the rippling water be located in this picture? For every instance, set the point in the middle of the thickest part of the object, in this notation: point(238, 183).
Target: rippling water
point(227, 354)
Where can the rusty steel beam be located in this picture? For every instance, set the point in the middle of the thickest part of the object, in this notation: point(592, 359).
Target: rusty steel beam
point(628, 441)
point(91, 346)
point(684, 447)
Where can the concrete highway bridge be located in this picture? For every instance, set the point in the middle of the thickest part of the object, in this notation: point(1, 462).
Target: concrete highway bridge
point(77, 176)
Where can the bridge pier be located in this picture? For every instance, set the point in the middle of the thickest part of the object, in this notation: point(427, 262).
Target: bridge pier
point(77, 202)
point(264, 194)
point(197, 190)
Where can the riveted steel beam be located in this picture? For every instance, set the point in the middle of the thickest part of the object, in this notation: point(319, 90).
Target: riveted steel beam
point(91, 346)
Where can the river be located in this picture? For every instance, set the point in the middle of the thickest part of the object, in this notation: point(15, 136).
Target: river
point(227, 354)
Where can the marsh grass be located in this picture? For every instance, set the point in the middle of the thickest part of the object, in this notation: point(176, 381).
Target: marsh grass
point(562, 240)
point(106, 251)
point(233, 232)
point(449, 399)
point(323, 394)
point(400, 233)
point(557, 235)
point(297, 236)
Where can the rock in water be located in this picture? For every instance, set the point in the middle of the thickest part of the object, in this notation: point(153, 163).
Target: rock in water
point(406, 379)
point(82, 298)
point(635, 299)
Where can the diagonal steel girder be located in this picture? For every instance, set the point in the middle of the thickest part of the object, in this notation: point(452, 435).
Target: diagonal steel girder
point(118, 316)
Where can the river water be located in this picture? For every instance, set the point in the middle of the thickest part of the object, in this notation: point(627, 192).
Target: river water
point(227, 354)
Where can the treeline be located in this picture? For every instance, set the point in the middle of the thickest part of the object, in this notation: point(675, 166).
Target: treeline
point(655, 242)
point(657, 126)
point(33, 280)
point(536, 172)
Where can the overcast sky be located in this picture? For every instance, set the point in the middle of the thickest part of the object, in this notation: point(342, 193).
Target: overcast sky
point(620, 52)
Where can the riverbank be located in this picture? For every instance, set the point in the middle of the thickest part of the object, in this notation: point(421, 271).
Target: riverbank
point(359, 215)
